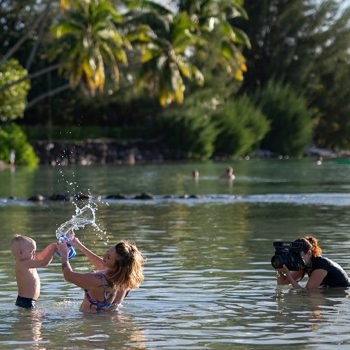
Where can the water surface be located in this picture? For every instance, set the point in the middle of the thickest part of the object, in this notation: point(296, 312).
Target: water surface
point(208, 280)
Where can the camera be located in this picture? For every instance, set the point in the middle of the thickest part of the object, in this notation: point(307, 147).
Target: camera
point(287, 253)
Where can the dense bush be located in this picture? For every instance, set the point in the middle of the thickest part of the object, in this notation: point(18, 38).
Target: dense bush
point(290, 119)
point(241, 127)
point(13, 99)
point(13, 138)
point(189, 127)
point(190, 132)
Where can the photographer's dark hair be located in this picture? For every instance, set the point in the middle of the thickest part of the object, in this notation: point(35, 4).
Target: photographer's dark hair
point(309, 242)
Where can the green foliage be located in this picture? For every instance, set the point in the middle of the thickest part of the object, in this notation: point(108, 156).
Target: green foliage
point(17, 17)
point(13, 138)
point(12, 100)
point(178, 45)
point(190, 128)
point(166, 64)
point(242, 126)
point(333, 96)
point(305, 44)
point(89, 44)
point(290, 39)
point(83, 133)
point(301, 43)
point(220, 39)
point(209, 123)
point(290, 119)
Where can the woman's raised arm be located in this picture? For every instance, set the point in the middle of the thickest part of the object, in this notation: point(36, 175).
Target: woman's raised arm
point(96, 260)
point(82, 280)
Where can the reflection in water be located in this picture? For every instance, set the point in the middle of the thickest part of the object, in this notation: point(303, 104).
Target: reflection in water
point(36, 326)
point(304, 303)
point(63, 327)
point(26, 328)
point(308, 314)
point(106, 330)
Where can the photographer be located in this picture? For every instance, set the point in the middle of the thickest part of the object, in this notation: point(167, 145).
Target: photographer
point(322, 272)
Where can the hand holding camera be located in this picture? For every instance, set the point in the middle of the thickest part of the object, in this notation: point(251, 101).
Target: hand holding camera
point(288, 254)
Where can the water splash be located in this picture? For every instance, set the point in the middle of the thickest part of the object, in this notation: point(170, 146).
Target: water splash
point(83, 216)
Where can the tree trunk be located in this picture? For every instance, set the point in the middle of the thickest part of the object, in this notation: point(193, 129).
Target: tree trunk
point(19, 43)
point(29, 76)
point(40, 35)
point(47, 94)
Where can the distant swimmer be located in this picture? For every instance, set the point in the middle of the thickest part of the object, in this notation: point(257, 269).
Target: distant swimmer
point(229, 174)
point(195, 174)
point(12, 157)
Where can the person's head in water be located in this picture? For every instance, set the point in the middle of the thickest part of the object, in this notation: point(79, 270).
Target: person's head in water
point(229, 173)
point(125, 265)
point(308, 248)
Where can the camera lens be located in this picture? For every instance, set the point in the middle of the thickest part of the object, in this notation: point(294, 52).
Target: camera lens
point(276, 262)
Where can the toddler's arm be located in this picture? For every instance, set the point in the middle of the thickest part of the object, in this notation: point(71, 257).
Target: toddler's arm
point(43, 258)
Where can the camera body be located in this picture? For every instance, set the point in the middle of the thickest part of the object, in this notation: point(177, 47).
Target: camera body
point(287, 253)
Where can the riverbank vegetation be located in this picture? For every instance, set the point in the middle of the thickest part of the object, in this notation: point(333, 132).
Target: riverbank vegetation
point(214, 78)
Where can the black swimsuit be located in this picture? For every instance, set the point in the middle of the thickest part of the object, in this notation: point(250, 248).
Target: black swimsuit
point(27, 303)
point(336, 276)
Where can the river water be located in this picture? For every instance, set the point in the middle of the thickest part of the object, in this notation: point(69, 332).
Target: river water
point(208, 279)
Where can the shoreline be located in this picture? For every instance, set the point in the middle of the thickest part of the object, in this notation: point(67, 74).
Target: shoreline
point(100, 152)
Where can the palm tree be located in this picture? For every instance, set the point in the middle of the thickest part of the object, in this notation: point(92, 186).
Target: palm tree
point(214, 22)
point(89, 44)
point(166, 52)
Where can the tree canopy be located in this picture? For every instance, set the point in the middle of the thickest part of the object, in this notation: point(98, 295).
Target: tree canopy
point(125, 62)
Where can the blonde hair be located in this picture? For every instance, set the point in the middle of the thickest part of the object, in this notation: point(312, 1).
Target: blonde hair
point(128, 270)
point(18, 241)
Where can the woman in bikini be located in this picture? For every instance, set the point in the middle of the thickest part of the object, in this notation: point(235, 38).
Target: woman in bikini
point(120, 270)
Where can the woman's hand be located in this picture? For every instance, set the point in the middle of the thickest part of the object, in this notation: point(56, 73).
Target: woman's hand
point(73, 240)
point(284, 270)
point(63, 250)
point(287, 277)
point(281, 276)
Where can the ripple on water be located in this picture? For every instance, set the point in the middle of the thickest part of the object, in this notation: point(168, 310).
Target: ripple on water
point(208, 285)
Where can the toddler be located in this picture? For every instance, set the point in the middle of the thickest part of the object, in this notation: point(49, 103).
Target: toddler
point(27, 262)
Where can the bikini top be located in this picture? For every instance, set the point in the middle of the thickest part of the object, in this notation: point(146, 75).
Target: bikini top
point(109, 294)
